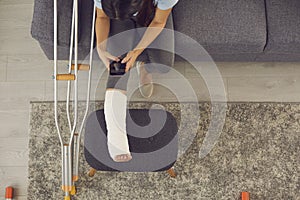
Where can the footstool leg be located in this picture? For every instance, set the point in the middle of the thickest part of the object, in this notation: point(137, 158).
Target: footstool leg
point(172, 172)
point(92, 172)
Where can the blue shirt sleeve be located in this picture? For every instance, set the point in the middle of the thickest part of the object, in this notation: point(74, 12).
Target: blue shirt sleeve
point(98, 3)
point(166, 4)
point(161, 4)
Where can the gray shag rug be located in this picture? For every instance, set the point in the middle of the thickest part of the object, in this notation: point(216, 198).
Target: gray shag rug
point(258, 151)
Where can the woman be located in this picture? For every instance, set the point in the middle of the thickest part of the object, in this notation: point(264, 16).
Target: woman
point(116, 16)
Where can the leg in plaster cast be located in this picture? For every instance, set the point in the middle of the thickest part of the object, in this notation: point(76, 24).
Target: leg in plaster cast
point(115, 116)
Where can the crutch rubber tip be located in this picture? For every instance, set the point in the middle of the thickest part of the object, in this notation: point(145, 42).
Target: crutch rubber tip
point(9, 193)
point(67, 198)
point(92, 172)
point(66, 188)
point(73, 191)
point(75, 178)
point(172, 172)
point(245, 196)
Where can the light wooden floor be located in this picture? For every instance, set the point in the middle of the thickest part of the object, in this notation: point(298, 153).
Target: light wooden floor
point(25, 75)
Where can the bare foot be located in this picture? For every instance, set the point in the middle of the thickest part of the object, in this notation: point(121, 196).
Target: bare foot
point(123, 158)
point(145, 77)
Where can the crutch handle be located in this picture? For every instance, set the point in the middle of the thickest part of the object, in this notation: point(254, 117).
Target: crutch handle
point(65, 77)
point(82, 67)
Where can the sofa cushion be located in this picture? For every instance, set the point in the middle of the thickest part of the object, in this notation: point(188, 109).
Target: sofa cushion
point(283, 19)
point(231, 26)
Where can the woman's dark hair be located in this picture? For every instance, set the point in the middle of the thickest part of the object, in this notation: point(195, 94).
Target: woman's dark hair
point(146, 13)
point(124, 9)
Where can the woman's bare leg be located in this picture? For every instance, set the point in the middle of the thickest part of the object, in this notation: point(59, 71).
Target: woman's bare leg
point(145, 76)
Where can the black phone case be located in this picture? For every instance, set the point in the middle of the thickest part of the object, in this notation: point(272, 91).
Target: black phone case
point(117, 68)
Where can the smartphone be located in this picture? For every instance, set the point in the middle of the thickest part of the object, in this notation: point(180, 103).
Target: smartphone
point(117, 68)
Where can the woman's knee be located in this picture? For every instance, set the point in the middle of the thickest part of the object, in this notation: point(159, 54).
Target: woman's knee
point(160, 61)
point(116, 89)
point(118, 82)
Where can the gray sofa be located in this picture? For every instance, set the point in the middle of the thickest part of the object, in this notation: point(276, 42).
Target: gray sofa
point(229, 30)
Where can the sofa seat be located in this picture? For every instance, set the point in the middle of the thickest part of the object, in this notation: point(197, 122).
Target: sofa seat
point(283, 26)
point(229, 30)
point(222, 27)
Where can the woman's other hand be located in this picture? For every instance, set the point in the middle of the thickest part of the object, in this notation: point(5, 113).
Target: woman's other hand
point(130, 58)
point(106, 57)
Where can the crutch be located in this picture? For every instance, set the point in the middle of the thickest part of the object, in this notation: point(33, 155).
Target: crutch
point(70, 158)
point(77, 135)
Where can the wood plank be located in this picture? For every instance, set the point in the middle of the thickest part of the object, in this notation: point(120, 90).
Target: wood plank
point(16, 2)
point(249, 69)
point(15, 177)
point(12, 105)
point(15, 33)
point(14, 152)
point(39, 68)
point(297, 67)
point(20, 198)
point(3, 65)
point(264, 89)
point(229, 69)
point(185, 89)
point(16, 15)
point(32, 90)
point(97, 90)
point(14, 124)
point(201, 69)
point(178, 70)
point(276, 69)
point(15, 20)
point(98, 71)
point(33, 68)
point(19, 46)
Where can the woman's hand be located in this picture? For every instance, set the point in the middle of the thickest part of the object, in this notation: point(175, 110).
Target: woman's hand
point(106, 57)
point(130, 58)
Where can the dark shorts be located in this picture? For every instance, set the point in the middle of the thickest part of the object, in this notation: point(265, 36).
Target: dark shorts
point(149, 56)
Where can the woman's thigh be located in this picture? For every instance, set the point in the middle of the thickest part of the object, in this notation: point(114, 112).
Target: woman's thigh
point(165, 40)
point(122, 36)
point(118, 82)
point(121, 39)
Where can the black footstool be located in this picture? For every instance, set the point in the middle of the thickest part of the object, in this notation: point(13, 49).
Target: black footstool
point(153, 142)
